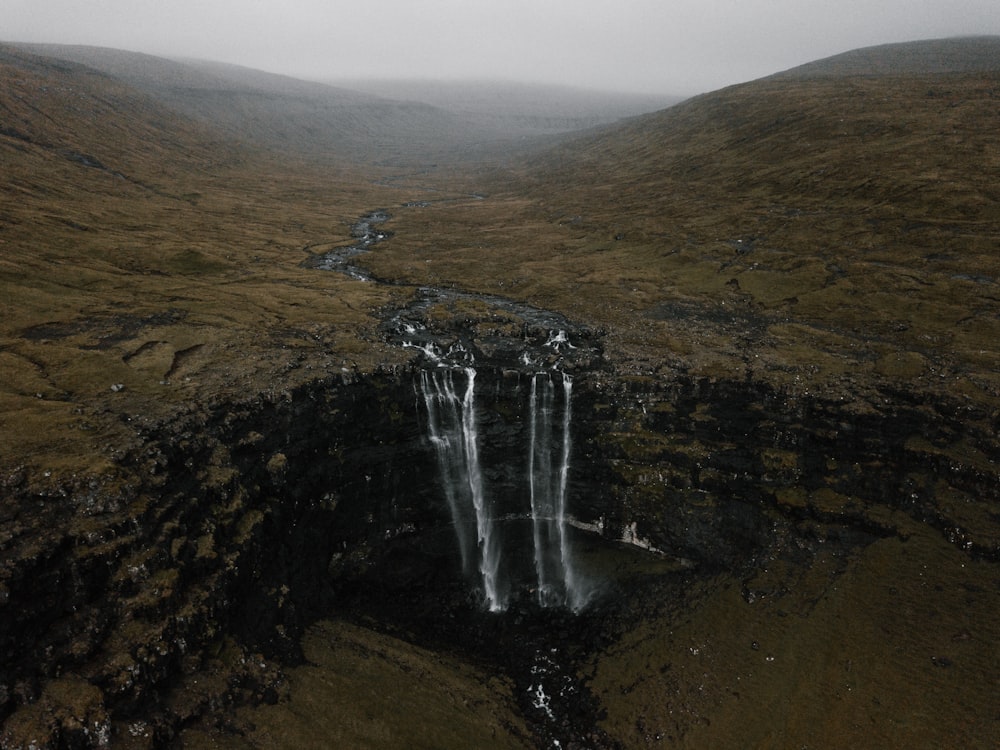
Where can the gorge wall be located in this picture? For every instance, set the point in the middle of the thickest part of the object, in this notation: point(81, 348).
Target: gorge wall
point(235, 527)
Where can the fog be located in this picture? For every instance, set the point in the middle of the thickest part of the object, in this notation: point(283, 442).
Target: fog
point(645, 46)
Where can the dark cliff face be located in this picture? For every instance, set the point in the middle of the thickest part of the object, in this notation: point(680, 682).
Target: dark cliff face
point(242, 524)
point(716, 469)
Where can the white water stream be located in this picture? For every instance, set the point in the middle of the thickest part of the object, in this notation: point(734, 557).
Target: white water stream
point(453, 430)
point(549, 447)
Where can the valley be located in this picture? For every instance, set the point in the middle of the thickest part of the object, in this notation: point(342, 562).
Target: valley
point(741, 351)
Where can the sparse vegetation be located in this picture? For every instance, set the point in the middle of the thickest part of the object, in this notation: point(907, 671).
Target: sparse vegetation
point(825, 239)
point(779, 222)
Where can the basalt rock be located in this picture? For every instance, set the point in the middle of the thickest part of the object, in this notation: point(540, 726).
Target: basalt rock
point(231, 529)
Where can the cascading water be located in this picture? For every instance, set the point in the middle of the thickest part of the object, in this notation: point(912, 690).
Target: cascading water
point(503, 455)
point(451, 349)
point(453, 431)
point(451, 425)
point(557, 581)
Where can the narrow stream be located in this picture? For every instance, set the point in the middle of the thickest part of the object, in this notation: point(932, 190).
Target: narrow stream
point(366, 234)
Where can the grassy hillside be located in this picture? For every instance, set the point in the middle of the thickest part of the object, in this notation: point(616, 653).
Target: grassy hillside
point(397, 126)
point(833, 232)
point(929, 57)
point(827, 233)
point(284, 114)
point(144, 250)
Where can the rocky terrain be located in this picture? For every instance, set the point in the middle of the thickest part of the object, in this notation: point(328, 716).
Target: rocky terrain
point(220, 523)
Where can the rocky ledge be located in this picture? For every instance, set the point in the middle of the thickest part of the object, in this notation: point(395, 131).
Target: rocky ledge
point(132, 608)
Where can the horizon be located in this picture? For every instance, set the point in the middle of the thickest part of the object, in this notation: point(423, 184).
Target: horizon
point(358, 82)
point(639, 47)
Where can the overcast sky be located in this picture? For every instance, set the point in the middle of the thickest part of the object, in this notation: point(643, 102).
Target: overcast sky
point(658, 46)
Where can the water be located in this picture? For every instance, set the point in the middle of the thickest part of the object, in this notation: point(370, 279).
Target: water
point(549, 447)
point(366, 234)
point(452, 428)
point(453, 431)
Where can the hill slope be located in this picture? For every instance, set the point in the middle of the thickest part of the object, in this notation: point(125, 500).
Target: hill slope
point(139, 246)
point(931, 57)
point(397, 125)
point(282, 113)
point(851, 217)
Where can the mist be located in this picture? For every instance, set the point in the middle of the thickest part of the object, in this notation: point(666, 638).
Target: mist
point(641, 46)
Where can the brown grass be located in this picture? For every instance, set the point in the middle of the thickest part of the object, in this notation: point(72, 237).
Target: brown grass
point(138, 250)
point(342, 698)
point(822, 229)
point(753, 222)
point(825, 654)
point(829, 236)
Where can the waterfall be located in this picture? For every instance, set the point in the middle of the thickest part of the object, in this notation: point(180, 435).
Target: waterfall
point(452, 429)
point(558, 583)
point(443, 420)
point(576, 594)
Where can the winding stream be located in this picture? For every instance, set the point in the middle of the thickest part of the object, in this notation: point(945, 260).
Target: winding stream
point(366, 234)
point(548, 339)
